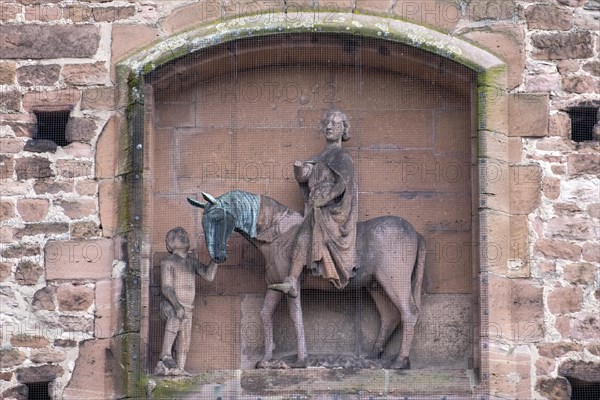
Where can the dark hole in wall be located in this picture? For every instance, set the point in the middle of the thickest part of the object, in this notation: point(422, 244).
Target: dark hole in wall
point(584, 390)
point(38, 391)
point(583, 120)
point(51, 125)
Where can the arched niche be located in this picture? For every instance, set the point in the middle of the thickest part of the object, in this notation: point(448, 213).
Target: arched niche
point(216, 110)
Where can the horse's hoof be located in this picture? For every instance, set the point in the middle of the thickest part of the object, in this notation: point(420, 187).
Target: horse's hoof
point(401, 363)
point(299, 363)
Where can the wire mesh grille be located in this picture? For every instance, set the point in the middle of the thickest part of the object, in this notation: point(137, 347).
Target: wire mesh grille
point(236, 117)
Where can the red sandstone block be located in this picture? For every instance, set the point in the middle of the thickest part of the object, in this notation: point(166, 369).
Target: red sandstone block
point(79, 259)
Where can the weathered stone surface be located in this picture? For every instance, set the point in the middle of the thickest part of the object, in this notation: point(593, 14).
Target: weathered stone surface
point(65, 343)
point(33, 210)
point(28, 273)
point(573, 228)
point(580, 84)
point(80, 129)
point(594, 349)
point(6, 376)
point(21, 340)
point(5, 271)
point(84, 230)
point(38, 75)
point(549, 17)
point(19, 392)
point(112, 14)
point(566, 67)
point(584, 163)
point(74, 169)
point(43, 299)
point(593, 67)
point(104, 305)
point(559, 125)
point(90, 376)
point(582, 370)
point(10, 100)
point(126, 38)
point(507, 42)
point(78, 208)
point(74, 323)
point(525, 188)
point(85, 74)
point(551, 187)
point(438, 13)
point(106, 147)
point(33, 167)
point(74, 297)
point(7, 234)
point(7, 210)
point(108, 206)
point(528, 114)
point(10, 358)
point(12, 145)
point(579, 191)
point(40, 146)
point(7, 167)
point(79, 150)
point(100, 98)
point(587, 19)
point(49, 228)
point(560, 46)
point(585, 326)
point(79, 259)
point(7, 71)
point(51, 100)
point(20, 250)
point(44, 373)
point(49, 41)
point(565, 300)
point(47, 356)
point(554, 388)
point(558, 249)
point(87, 187)
point(555, 350)
point(43, 13)
point(489, 9)
point(516, 309)
point(47, 186)
point(591, 252)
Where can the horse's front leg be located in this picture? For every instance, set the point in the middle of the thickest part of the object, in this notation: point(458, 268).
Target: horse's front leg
point(272, 298)
point(295, 309)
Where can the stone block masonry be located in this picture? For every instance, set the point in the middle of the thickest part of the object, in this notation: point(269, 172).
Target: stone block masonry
point(59, 212)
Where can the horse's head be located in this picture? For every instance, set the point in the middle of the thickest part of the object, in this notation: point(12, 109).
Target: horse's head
point(218, 223)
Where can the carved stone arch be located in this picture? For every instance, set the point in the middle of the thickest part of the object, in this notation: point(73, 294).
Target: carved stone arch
point(492, 131)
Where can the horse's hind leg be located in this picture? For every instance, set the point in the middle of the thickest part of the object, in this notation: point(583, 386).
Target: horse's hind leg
point(389, 317)
point(402, 299)
point(272, 298)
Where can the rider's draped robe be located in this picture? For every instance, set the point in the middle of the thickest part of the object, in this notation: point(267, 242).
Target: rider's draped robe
point(331, 251)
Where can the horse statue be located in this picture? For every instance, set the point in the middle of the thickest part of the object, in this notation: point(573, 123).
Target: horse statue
point(391, 254)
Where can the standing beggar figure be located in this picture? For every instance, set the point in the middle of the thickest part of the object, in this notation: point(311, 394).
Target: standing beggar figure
point(325, 241)
point(178, 284)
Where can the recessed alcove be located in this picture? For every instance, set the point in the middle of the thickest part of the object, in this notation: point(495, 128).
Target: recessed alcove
point(237, 115)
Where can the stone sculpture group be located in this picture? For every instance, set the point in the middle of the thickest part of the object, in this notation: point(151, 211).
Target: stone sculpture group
point(386, 255)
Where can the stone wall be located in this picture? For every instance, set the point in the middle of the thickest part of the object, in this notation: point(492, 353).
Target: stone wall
point(60, 274)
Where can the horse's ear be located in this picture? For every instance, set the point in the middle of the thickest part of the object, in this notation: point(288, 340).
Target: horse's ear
point(196, 203)
point(209, 198)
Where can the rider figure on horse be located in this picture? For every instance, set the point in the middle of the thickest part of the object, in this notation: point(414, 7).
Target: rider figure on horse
point(325, 241)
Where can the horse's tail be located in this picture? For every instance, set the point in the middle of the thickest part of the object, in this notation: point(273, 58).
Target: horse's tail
point(417, 277)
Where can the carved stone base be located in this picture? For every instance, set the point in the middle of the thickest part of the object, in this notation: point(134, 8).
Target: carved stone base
point(162, 370)
point(324, 361)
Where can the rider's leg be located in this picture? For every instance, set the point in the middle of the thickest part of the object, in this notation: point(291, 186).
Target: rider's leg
point(299, 252)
